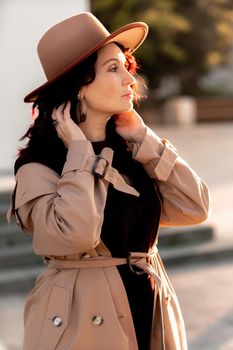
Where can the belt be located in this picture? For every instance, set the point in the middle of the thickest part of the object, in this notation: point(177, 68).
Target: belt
point(146, 262)
point(141, 260)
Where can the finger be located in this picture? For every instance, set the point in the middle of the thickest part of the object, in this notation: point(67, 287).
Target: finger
point(55, 123)
point(53, 115)
point(54, 118)
point(59, 118)
point(59, 113)
point(66, 112)
point(124, 116)
point(122, 120)
point(61, 107)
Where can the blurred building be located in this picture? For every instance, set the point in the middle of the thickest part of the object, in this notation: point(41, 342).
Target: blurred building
point(22, 23)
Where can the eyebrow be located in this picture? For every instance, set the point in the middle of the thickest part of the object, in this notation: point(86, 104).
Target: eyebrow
point(112, 59)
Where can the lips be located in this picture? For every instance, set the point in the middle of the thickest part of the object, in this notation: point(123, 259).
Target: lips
point(129, 94)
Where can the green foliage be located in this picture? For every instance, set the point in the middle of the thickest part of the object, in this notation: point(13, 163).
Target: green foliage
point(187, 38)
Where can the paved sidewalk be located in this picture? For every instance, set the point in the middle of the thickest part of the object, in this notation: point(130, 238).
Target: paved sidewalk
point(205, 295)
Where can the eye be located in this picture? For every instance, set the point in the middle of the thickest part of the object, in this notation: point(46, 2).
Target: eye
point(113, 68)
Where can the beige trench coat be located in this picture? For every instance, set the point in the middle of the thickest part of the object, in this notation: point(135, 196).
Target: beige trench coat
point(79, 306)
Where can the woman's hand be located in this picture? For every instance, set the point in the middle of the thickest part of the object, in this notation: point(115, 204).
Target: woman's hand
point(130, 126)
point(66, 128)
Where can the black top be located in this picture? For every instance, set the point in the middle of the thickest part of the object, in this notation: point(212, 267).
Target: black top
point(130, 225)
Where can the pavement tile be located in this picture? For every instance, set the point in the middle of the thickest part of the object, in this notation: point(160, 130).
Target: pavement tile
point(205, 295)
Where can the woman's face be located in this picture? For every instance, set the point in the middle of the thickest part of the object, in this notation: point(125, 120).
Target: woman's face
point(111, 91)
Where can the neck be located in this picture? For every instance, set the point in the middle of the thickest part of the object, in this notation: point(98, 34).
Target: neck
point(94, 127)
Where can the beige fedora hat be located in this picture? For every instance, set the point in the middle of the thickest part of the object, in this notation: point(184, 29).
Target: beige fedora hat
point(69, 42)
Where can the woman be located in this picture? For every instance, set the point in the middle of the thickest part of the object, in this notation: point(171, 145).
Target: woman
point(93, 185)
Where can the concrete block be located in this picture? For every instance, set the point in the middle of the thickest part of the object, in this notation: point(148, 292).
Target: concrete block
point(180, 110)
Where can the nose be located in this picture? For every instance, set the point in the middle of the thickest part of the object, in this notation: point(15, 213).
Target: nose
point(128, 78)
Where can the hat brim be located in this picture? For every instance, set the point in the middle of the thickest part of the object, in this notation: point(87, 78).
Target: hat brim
point(131, 36)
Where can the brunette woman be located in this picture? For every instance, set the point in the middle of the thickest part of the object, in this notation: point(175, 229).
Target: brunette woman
point(93, 185)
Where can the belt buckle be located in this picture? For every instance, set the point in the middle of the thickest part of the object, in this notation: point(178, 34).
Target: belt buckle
point(132, 269)
point(103, 173)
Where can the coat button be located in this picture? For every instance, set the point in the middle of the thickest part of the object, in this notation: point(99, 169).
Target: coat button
point(57, 321)
point(97, 320)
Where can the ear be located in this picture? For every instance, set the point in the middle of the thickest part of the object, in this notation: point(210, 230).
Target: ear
point(83, 91)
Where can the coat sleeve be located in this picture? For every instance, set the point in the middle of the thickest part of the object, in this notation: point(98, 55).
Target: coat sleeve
point(63, 213)
point(185, 197)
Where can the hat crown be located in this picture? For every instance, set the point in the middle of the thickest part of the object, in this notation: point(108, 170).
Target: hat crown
point(69, 41)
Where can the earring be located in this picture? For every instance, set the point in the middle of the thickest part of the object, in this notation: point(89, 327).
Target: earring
point(82, 109)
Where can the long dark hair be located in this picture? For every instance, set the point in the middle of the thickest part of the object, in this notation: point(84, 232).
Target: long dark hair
point(44, 146)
